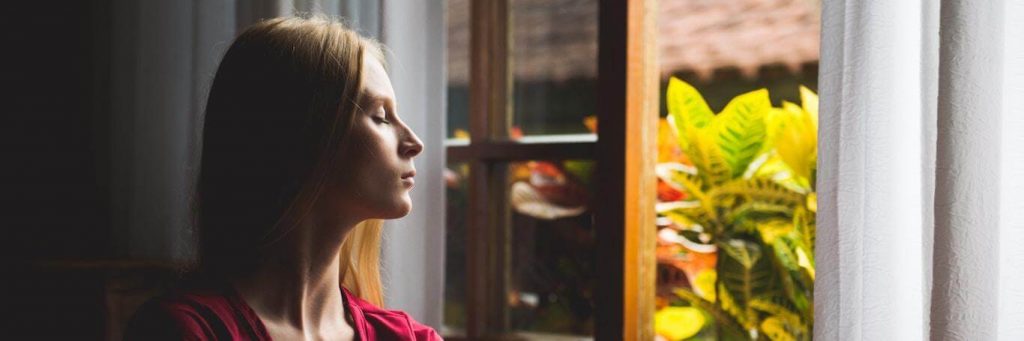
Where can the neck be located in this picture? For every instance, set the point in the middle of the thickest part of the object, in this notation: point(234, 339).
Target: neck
point(298, 285)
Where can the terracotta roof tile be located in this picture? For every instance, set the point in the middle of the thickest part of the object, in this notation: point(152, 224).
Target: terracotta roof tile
point(557, 40)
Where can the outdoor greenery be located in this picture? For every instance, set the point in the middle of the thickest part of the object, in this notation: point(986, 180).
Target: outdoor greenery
point(737, 188)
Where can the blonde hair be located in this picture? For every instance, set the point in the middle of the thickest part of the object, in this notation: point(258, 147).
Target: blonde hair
point(360, 262)
point(280, 108)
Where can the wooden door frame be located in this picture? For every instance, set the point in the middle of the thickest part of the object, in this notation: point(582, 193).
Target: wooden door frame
point(627, 127)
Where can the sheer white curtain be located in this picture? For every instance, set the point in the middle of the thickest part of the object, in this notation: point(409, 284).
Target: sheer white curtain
point(921, 159)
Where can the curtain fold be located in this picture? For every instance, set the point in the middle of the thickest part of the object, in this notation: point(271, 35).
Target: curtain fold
point(967, 172)
point(1011, 176)
point(920, 212)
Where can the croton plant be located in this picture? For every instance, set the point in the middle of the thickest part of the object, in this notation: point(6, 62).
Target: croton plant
point(736, 203)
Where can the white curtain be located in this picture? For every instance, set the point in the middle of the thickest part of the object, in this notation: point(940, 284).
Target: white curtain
point(413, 256)
point(921, 171)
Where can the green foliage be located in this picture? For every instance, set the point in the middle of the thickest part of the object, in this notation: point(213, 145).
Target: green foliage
point(749, 191)
point(740, 129)
point(687, 108)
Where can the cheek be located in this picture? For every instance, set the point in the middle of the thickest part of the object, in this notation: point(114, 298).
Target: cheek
point(373, 145)
point(368, 178)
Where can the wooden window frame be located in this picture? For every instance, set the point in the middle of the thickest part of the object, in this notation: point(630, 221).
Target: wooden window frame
point(627, 104)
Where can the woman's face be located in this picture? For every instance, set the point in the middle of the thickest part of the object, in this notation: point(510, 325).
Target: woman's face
point(376, 168)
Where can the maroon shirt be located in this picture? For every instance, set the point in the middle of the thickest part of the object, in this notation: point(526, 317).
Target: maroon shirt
point(223, 315)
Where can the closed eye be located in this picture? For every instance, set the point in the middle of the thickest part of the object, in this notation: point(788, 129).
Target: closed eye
point(381, 116)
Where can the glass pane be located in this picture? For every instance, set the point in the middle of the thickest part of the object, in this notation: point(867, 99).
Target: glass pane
point(458, 69)
point(552, 270)
point(747, 248)
point(554, 65)
point(457, 190)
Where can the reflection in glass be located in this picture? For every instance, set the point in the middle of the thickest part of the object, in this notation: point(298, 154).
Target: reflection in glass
point(554, 65)
point(456, 191)
point(552, 244)
point(458, 69)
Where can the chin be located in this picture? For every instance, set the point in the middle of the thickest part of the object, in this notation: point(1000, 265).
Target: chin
point(398, 210)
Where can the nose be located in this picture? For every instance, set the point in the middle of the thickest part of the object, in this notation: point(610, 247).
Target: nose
point(411, 144)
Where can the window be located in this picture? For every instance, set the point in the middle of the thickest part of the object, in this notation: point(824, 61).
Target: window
point(550, 175)
point(735, 254)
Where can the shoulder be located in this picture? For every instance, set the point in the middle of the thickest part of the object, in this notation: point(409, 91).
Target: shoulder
point(381, 323)
point(188, 315)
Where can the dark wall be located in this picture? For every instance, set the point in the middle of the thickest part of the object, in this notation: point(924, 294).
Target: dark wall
point(54, 174)
point(59, 282)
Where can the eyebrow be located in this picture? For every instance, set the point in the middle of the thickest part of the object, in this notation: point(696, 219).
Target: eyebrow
point(372, 99)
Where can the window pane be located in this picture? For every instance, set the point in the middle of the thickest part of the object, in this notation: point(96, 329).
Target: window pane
point(552, 270)
point(458, 69)
point(735, 250)
point(457, 190)
point(554, 65)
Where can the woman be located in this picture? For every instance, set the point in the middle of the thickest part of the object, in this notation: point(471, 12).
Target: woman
point(303, 153)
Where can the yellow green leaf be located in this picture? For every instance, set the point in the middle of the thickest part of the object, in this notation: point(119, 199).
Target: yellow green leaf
point(774, 168)
point(805, 262)
point(729, 305)
point(687, 105)
point(782, 323)
point(775, 122)
point(809, 100)
point(797, 142)
point(740, 129)
point(759, 189)
point(783, 314)
point(775, 329)
point(773, 229)
point(704, 284)
point(678, 323)
point(785, 253)
point(711, 164)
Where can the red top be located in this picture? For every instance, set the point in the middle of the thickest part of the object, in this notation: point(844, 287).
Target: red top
point(223, 315)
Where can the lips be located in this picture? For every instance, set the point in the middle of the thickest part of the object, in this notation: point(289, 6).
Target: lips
point(407, 178)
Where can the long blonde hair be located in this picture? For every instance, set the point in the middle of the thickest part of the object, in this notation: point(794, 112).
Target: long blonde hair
point(279, 110)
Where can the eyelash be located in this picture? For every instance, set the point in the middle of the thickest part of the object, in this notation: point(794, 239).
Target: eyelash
point(382, 119)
